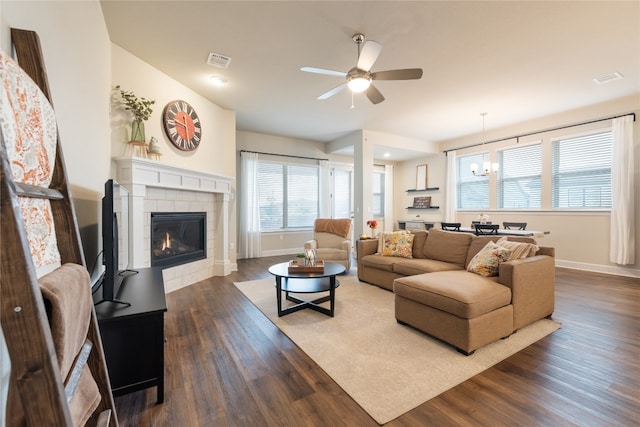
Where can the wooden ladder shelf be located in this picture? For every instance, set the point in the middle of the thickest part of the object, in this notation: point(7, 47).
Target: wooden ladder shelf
point(37, 390)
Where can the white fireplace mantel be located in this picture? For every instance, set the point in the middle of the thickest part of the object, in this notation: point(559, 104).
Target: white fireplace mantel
point(153, 174)
point(138, 175)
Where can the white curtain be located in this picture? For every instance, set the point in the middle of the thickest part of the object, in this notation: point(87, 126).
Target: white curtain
point(622, 249)
point(249, 245)
point(451, 194)
point(325, 190)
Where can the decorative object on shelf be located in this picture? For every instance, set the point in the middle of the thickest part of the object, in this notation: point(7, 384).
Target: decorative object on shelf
point(137, 131)
point(422, 202)
point(182, 125)
point(141, 110)
point(155, 152)
point(372, 224)
point(310, 257)
point(484, 218)
point(421, 177)
point(154, 145)
point(487, 167)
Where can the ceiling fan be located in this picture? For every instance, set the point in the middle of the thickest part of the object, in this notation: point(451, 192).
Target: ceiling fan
point(359, 78)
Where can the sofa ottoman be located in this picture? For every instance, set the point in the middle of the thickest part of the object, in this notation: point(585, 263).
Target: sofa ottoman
point(463, 309)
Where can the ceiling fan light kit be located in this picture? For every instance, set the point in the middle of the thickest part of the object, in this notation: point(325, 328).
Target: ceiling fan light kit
point(360, 78)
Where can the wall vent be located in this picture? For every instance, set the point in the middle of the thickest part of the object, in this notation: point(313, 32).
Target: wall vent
point(607, 78)
point(218, 60)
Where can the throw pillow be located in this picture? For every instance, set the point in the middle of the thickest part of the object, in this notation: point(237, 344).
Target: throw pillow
point(518, 249)
point(487, 261)
point(398, 244)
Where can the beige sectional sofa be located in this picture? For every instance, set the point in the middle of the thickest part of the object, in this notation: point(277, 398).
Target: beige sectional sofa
point(436, 294)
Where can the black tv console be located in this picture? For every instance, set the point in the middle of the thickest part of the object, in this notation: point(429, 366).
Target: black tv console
point(133, 336)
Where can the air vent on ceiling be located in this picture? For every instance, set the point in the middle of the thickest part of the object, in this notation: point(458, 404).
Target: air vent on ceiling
point(218, 60)
point(607, 78)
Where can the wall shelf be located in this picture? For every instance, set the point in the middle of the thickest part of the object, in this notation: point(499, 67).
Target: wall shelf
point(424, 189)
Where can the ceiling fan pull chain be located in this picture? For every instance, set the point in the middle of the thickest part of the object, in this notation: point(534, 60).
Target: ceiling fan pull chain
point(352, 106)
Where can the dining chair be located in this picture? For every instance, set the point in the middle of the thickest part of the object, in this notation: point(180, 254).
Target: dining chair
point(451, 226)
point(514, 225)
point(482, 229)
point(473, 223)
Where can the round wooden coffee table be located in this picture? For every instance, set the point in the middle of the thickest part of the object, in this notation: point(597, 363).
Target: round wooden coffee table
point(306, 283)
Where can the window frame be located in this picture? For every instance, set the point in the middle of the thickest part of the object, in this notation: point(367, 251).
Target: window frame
point(469, 178)
point(501, 180)
point(285, 191)
point(378, 213)
point(547, 139)
point(553, 176)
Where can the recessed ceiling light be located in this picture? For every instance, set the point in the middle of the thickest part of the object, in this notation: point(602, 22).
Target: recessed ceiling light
point(608, 78)
point(387, 154)
point(218, 80)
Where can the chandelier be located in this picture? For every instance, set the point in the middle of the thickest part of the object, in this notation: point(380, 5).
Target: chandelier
point(487, 167)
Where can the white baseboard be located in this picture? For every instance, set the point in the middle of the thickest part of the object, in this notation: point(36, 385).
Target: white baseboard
point(597, 268)
point(277, 252)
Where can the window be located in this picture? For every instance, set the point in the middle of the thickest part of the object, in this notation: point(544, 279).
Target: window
point(288, 195)
point(342, 193)
point(378, 194)
point(519, 177)
point(581, 171)
point(473, 191)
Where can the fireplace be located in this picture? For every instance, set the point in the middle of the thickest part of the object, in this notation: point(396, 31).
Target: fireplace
point(177, 238)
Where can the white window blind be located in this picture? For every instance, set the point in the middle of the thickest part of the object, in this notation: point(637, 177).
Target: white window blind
point(472, 191)
point(378, 194)
point(288, 195)
point(519, 177)
point(271, 195)
point(342, 194)
point(581, 171)
point(302, 198)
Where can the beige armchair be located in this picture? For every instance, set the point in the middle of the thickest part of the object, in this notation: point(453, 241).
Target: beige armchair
point(332, 240)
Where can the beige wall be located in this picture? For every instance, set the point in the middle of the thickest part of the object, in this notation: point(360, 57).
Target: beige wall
point(216, 152)
point(581, 239)
point(76, 51)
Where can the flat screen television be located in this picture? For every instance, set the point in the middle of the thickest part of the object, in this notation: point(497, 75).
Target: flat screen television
point(115, 239)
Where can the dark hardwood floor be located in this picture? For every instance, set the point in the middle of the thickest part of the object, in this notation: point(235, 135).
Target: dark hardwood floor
point(227, 365)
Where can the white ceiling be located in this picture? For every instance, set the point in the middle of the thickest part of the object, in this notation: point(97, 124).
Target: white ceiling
point(515, 60)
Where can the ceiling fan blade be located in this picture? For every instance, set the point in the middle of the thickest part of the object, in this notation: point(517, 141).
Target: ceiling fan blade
point(323, 71)
point(332, 92)
point(406, 74)
point(368, 54)
point(374, 95)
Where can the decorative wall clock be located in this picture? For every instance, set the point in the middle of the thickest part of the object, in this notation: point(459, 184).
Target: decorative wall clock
point(182, 125)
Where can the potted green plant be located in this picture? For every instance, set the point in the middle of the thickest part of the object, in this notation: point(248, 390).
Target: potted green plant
point(141, 109)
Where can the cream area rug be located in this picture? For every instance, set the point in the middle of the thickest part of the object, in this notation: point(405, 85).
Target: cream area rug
point(387, 368)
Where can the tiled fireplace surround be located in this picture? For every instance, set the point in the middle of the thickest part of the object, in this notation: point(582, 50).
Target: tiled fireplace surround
point(155, 187)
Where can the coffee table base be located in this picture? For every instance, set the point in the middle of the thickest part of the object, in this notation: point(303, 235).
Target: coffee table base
point(298, 286)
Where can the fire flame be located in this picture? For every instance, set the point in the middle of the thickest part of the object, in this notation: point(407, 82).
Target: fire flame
point(166, 243)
